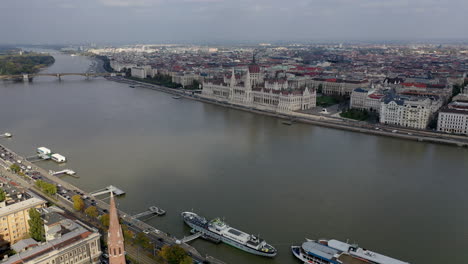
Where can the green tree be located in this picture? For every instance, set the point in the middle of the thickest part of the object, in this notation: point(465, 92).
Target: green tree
point(2, 195)
point(48, 188)
point(186, 260)
point(143, 240)
point(36, 225)
point(15, 168)
point(320, 88)
point(92, 211)
point(173, 254)
point(105, 219)
point(78, 203)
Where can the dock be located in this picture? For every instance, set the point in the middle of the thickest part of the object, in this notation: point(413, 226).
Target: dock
point(37, 158)
point(116, 191)
point(6, 135)
point(153, 210)
point(65, 171)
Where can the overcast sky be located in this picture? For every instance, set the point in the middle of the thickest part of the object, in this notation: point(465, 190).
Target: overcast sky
point(152, 21)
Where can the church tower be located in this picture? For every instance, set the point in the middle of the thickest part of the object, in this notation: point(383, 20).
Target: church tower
point(115, 240)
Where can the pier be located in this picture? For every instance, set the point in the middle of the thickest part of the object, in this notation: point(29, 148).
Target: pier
point(37, 158)
point(116, 191)
point(153, 210)
point(6, 135)
point(65, 171)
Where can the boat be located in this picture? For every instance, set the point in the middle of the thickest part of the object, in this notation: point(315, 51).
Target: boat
point(336, 252)
point(176, 97)
point(287, 122)
point(218, 230)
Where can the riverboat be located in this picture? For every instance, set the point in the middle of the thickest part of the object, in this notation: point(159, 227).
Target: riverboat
point(218, 230)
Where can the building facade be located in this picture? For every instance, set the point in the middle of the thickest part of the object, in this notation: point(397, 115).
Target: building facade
point(70, 242)
point(240, 92)
point(369, 100)
point(406, 112)
point(454, 118)
point(14, 216)
point(333, 86)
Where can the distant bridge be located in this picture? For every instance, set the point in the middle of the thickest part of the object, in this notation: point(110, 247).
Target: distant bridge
point(28, 77)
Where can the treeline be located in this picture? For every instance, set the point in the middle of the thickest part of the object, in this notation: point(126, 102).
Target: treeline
point(11, 64)
point(106, 63)
point(159, 79)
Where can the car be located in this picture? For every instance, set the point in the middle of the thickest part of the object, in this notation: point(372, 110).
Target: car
point(146, 231)
point(105, 255)
point(105, 211)
point(394, 131)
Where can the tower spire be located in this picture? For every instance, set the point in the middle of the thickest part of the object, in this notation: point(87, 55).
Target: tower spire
point(115, 240)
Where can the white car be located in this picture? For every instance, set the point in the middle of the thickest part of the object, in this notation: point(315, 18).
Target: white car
point(146, 231)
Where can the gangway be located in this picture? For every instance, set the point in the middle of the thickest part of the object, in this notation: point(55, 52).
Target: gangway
point(191, 237)
point(37, 158)
point(116, 191)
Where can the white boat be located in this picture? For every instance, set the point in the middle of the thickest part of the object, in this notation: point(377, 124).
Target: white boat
point(58, 158)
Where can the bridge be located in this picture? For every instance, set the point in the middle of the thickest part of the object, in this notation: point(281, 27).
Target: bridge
point(29, 77)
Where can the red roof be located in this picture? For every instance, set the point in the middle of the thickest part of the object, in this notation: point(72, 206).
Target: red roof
point(420, 85)
point(254, 68)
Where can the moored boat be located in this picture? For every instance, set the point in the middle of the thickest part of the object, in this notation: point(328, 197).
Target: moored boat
point(218, 230)
point(337, 252)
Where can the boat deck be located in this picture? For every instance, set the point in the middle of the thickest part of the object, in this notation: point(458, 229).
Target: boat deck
point(347, 259)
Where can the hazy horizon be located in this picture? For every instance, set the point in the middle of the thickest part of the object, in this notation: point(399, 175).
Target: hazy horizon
point(224, 21)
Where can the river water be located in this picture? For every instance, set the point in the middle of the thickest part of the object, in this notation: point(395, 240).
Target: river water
point(405, 199)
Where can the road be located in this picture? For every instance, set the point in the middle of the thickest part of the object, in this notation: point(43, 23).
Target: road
point(65, 192)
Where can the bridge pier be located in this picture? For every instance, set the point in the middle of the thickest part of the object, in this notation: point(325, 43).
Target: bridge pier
point(25, 77)
point(59, 76)
point(113, 74)
point(87, 76)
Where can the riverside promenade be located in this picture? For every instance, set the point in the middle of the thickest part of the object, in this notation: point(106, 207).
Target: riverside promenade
point(137, 225)
point(320, 120)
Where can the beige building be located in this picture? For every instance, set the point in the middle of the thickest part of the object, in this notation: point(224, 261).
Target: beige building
point(240, 92)
point(68, 242)
point(369, 100)
point(413, 112)
point(186, 79)
point(335, 86)
point(14, 215)
point(454, 118)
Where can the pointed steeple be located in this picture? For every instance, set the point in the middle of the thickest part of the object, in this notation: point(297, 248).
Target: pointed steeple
point(115, 240)
point(248, 84)
point(233, 78)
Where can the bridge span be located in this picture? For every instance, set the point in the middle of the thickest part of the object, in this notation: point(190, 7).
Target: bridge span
point(29, 77)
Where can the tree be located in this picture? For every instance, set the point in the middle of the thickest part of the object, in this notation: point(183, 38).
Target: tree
point(320, 88)
point(143, 240)
point(48, 188)
point(78, 203)
point(92, 211)
point(2, 195)
point(15, 168)
point(186, 260)
point(36, 225)
point(105, 220)
point(173, 254)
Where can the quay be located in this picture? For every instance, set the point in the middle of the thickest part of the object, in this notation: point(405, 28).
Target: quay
point(137, 225)
point(323, 121)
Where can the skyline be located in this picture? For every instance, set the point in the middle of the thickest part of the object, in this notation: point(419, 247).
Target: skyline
point(222, 21)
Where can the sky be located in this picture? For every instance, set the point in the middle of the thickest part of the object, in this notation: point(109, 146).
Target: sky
point(209, 21)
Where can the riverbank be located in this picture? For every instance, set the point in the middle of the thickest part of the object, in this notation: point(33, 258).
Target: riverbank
point(159, 239)
point(324, 121)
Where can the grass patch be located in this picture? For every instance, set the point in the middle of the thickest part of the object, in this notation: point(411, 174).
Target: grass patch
point(326, 101)
point(356, 114)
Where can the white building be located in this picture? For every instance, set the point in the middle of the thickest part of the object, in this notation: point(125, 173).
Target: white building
point(138, 72)
point(454, 118)
point(369, 100)
point(240, 92)
point(413, 112)
point(186, 79)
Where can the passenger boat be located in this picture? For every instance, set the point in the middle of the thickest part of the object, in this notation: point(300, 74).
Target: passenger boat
point(337, 252)
point(218, 230)
point(176, 97)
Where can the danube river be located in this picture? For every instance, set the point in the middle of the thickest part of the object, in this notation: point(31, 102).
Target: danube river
point(405, 199)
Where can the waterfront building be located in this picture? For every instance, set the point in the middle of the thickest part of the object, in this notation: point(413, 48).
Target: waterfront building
point(334, 86)
point(138, 72)
point(240, 91)
point(68, 242)
point(14, 214)
point(115, 240)
point(369, 100)
point(405, 111)
point(454, 118)
point(186, 79)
